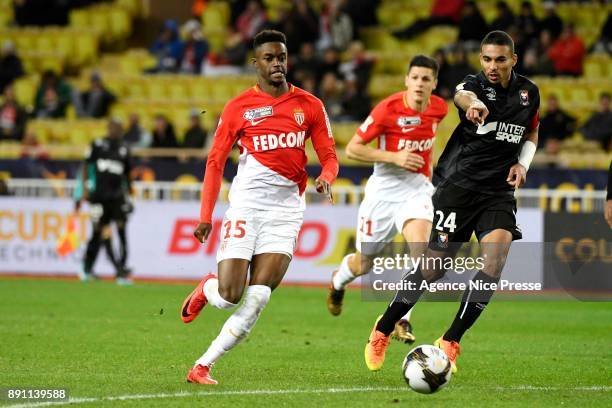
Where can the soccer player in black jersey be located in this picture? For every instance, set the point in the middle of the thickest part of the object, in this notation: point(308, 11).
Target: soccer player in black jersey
point(485, 160)
point(106, 184)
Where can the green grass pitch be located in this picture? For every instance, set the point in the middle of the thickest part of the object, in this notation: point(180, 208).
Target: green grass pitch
point(126, 346)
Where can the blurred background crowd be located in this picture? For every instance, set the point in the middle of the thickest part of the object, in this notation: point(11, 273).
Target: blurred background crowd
point(166, 69)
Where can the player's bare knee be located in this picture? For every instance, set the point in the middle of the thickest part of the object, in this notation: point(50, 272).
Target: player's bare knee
point(230, 294)
point(360, 264)
point(494, 266)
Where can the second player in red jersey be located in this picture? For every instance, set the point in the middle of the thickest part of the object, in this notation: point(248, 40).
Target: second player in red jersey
point(270, 123)
point(398, 194)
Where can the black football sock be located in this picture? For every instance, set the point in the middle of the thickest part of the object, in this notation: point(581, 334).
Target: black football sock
point(123, 251)
point(108, 245)
point(91, 253)
point(404, 301)
point(473, 303)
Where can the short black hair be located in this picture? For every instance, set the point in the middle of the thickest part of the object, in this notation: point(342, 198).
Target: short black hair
point(498, 37)
point(424, 61)
point(266, 36)
point(604, 95)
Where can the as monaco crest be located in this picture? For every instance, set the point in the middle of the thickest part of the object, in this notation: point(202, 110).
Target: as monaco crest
point(524, 95)
point(298, 115)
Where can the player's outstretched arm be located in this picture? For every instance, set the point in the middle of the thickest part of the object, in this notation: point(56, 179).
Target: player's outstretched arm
point(222, 146)
point(518, 173)
point(325, 146)
point(329, 171)
point(475, 110)
point(357, 149)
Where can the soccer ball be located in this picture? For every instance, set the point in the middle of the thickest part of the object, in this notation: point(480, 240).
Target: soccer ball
point(426, 369)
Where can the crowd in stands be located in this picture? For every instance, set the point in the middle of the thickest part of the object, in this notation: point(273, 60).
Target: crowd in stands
point(327, 58)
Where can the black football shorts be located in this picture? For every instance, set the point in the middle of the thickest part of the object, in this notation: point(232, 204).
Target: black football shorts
point(458, 212)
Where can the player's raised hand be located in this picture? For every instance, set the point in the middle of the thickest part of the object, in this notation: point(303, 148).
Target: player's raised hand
point(477, 112)
point(202, 231)
point(408, 160)
point(323, 187)
point(517, 175)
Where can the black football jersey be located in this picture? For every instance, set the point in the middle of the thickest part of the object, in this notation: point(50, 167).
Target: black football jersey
point(109, 163)
point(479, 157)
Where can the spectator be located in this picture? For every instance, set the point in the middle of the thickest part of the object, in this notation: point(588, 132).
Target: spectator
point(604, 43)
point(12, 116)
point(167, 48)
point(194, 49)
point(358, 67)
point(356, 104)
point(309, 83)
point(11, 67)
point(251, 20)
point(52, 96)
point(195, 136)
point(32, 151)
point(336, 27)
point(505, 17)
point(445, 88)
point(330, 63)
point(527, 23)
point(230, 61)
point(136, 135)
point(96, 101)
point(362, 13)
point(551, 21)
point(300, 25)
point(567, 53)
point(306, 64)
point(443, 12)
point(163, 133)
point(472, 27)
point(460, 68)
point(555, 126)
point(536, 60)
point(599, 126)
point(330, 92)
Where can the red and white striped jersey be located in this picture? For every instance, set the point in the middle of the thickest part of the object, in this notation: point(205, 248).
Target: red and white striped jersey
point(271, 133)
point(397, 126)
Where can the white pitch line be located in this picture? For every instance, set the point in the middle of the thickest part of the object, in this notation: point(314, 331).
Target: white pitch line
point(276, 392)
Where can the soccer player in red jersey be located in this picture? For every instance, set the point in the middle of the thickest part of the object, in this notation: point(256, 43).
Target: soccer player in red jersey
point(270, 123)
point(398, 194)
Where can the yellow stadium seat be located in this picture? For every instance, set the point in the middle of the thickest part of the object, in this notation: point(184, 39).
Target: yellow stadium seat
point(64, 44)
point(156, 90)
point(79, 18)
point(86, 48)
point(178, 91)
point(79, 135)
point(25, 90)
point(580, 94)
point(216, 16)
point(52, 61)
point(120, 23)
point(133, 7)
point(99, 20)
point(45, 43)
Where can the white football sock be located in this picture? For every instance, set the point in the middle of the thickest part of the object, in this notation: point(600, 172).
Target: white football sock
point(239, 324)
point(211, 291)
point(344, 276)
